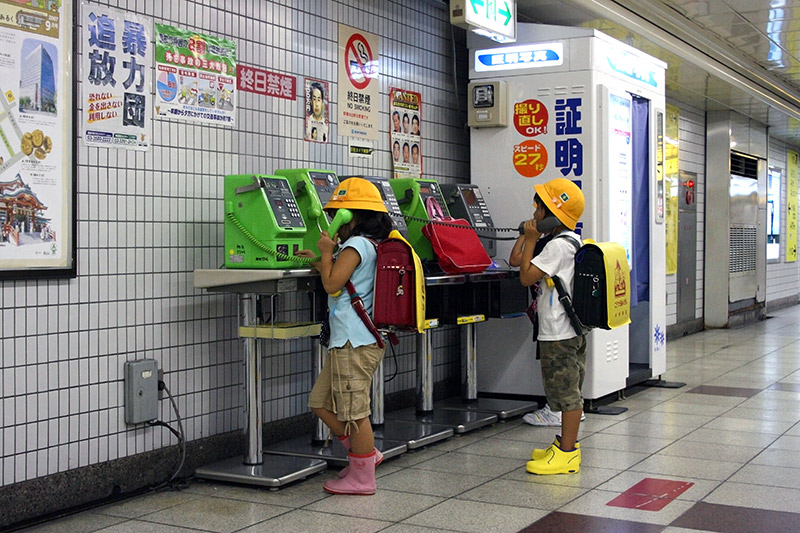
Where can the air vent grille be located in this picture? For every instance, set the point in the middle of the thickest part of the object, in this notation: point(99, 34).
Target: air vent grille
point(743, 249)
point(742, 165)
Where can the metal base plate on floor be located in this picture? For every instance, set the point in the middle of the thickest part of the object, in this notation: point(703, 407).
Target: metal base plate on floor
point(275, 471)
point(663, 384)
point(334, 453)
point(460, 421)
point(502, 408)
point(414, 434)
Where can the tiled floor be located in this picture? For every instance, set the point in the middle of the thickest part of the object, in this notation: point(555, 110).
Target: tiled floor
point(732, 433)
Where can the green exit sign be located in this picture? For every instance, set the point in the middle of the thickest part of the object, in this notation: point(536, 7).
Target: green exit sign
point(496, 19)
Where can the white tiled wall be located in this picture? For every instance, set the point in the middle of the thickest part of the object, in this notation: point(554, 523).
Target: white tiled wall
point(146, 221)
point(783, 279)
point(691, 158)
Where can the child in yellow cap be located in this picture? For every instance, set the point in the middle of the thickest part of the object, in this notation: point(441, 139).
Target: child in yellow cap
point(559, 204)
point(341, 395)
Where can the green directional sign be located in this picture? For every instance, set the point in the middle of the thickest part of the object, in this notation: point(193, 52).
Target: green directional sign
point(497, 18)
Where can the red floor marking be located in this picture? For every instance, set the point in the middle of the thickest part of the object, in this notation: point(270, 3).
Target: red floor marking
point(640, 502)
point(650, 494)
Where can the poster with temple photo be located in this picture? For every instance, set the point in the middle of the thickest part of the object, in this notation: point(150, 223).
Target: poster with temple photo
point(36, 167)
point(405, 137)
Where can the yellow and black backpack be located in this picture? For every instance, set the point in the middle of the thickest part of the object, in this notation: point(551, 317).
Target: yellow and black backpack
point(600, 288)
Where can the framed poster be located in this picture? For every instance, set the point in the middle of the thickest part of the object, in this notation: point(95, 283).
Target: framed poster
point(37, 185)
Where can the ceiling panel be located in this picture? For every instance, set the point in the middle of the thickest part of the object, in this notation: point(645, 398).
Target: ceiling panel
point(765, 32)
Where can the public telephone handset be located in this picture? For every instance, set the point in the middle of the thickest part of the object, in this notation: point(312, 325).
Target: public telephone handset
point(312, 189)
point(263, 224)
point(546, 225)
point(342, 216)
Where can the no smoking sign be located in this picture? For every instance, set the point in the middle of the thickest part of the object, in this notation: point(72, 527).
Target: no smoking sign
point(360, 61)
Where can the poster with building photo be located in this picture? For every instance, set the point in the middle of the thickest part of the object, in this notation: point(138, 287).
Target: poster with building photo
point(405, 112)
point(36, 201)
point(116, 72)
point(195, 76)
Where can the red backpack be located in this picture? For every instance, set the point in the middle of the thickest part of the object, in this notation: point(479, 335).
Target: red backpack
point(398, 301)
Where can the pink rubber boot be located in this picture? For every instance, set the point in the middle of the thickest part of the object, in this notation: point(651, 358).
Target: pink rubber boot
point(345, 441)
point(360, 479)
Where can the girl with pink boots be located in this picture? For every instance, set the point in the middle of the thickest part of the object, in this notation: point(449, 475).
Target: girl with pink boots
point(341, 395)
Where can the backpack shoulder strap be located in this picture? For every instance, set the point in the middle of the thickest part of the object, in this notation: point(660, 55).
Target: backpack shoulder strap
point(570, 239)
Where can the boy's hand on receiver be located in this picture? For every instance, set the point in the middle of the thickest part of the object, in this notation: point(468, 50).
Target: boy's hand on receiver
point(531, 231)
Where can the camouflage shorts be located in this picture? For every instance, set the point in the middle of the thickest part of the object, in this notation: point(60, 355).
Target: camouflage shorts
point(563, 370)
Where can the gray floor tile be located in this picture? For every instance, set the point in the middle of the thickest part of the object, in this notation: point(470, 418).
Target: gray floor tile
point(444, 484)
point(477, 465)
point(476, 517)
point(778, 458)
point(303, 521)
point(786, 442)
point(614, 459)
point(140, 526)
point(216, 514)
point(753, 413)
point(655, 431)
point(731, 438)
point(606, 441)
point(760, 497)
point(498, 447)
point(666, 465)
point(146, 504)
point(386, 505)
point(767, 475)
point(521, 494)
point(81, 523)
point(704, 450)
point(672, 419)
point(749, 426)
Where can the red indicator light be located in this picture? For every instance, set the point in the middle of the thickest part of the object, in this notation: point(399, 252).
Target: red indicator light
point(690, 184)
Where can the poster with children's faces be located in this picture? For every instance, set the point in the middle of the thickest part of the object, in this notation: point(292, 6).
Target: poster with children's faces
point(405, 137)
point(316, 111)
point(36, 131)
point(116, 73)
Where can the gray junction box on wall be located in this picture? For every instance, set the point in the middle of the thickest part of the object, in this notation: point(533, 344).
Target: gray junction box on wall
point(141, 391)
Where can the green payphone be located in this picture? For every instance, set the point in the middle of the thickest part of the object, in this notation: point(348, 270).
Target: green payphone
point(415, 197)
point(312, 189)
point(263, 224)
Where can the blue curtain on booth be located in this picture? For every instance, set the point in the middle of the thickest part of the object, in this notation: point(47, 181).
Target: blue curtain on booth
point(640, 218)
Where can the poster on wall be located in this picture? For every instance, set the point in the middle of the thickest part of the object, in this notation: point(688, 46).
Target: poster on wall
point(671, 186)
point(195, 76)
point(405, 132)
point(792, 168)
point(116, 72)
point(620, 171)
point(358, 83)
point(316, 111)
point(36, 128)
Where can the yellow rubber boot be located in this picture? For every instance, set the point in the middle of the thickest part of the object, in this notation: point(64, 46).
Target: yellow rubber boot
point(539, 453)
point(556, 461)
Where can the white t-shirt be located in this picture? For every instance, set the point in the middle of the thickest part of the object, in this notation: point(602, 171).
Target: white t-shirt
point(557, 258)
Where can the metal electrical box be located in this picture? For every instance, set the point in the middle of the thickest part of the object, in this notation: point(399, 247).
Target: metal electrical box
point(141, 391)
